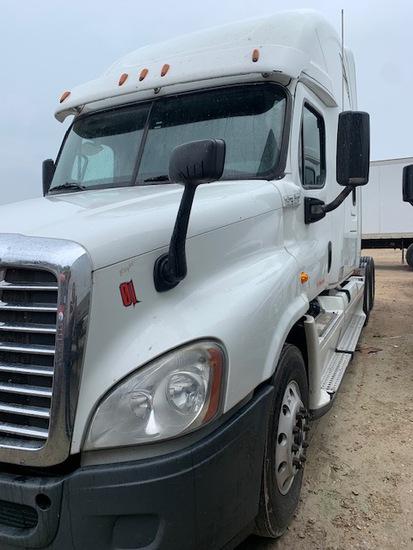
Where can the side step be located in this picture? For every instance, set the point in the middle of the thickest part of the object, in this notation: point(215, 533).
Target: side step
point(348, 341)
point(333, 374)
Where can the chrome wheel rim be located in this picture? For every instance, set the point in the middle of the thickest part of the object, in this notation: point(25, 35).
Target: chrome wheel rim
point(290, 452)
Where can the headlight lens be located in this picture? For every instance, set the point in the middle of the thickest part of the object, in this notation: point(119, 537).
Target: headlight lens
point(175, 394)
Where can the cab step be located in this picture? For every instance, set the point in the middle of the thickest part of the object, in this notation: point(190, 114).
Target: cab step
point(333, 374)
point(348, 342)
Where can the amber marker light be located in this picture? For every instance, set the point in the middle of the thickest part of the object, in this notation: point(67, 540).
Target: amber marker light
point(216, 362)
point(255, 55)
point(165, 69)
point(143, 74)
point(64, 96)
point(122, 79)
point(304, 277)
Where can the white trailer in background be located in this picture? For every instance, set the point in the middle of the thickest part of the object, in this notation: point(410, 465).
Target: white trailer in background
point(387, 220)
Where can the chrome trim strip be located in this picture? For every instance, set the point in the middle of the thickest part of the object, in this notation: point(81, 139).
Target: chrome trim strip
point(19, 368)
point(72, 267)
point(23, 348)
point(27, 307)
point(35, 412)
point(27, 327)
point(36, 391)
point(4, 285)
point(38, 433)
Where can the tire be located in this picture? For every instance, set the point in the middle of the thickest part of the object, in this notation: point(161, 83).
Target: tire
point(279, 499)
point(409, 256)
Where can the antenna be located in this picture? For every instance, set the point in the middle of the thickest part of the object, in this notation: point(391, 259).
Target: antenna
point(342, 60)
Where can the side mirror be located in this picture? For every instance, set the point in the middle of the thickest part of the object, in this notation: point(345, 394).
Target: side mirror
point(408, 184)
point(48, 170)
point(353, 148)
point(191, 164)
point(197, 162)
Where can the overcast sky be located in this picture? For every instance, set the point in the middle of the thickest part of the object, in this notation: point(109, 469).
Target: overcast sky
point(48, 46)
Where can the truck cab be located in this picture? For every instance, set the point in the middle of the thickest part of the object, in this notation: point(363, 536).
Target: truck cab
point(187, 295)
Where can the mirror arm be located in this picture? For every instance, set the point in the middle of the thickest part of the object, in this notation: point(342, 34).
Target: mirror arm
point(170, 268)
point(339, 199)
point(315, 209)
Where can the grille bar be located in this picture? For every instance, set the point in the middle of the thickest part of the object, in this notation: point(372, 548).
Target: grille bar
point(45, 308)
point(25, 431)
point(27, 348)
point(4, 285)
point(27, 327)
point(33, 370)
point(34, 412)
point(36, 391)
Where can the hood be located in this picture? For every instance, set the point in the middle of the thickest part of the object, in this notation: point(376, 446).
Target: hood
point(117, 224)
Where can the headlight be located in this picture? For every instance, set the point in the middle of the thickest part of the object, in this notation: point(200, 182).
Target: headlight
point(175, 394)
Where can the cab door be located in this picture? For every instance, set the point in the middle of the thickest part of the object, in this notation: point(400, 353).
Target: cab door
point(311, 175)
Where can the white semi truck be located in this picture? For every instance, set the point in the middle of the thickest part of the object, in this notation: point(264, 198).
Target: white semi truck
point(387, 221)
point(187, 294)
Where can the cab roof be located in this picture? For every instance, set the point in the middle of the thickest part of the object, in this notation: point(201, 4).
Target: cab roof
point(284, 46)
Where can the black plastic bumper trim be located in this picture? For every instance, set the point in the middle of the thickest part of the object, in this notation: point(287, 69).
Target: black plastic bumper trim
point(198, 498)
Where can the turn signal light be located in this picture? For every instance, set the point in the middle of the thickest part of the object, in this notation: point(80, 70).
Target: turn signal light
point(304, 277)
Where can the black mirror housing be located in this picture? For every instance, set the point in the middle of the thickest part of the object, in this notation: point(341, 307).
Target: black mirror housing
point(197, 162)
point(408, 184)
point(190, 164)
point(48, 170)
point(353, 148)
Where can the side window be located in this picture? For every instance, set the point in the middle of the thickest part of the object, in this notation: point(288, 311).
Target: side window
point(312, 149)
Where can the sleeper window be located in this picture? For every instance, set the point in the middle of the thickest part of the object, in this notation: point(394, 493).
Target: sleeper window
point(312, 149)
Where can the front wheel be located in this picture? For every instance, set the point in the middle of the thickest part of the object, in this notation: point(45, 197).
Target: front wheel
point(286, 445)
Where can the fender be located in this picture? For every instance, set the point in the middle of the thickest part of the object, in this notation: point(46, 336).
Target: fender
point(242, 288)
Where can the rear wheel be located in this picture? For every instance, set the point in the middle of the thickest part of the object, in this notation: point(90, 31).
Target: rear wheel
point(286, 445)
point(409, 256)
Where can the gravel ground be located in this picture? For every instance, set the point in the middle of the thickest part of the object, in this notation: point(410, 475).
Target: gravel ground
point(358, 482)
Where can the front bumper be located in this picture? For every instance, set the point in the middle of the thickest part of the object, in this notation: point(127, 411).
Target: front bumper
point(198, 498)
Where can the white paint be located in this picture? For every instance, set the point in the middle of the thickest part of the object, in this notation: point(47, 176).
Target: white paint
point(248, 242)
point(385, 215)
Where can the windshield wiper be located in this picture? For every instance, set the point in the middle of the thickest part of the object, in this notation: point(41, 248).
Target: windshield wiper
point(68, 186)
point(157, 178)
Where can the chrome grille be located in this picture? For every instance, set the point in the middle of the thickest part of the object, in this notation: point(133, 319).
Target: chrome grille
point(28, 310)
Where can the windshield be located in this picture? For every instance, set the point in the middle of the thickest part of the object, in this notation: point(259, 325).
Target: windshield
point(132, 145)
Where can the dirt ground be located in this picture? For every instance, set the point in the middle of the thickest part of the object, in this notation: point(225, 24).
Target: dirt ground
point(358, 482)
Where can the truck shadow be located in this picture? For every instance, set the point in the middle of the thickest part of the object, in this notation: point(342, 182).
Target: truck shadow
point(394, 267)
point(255, 543)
